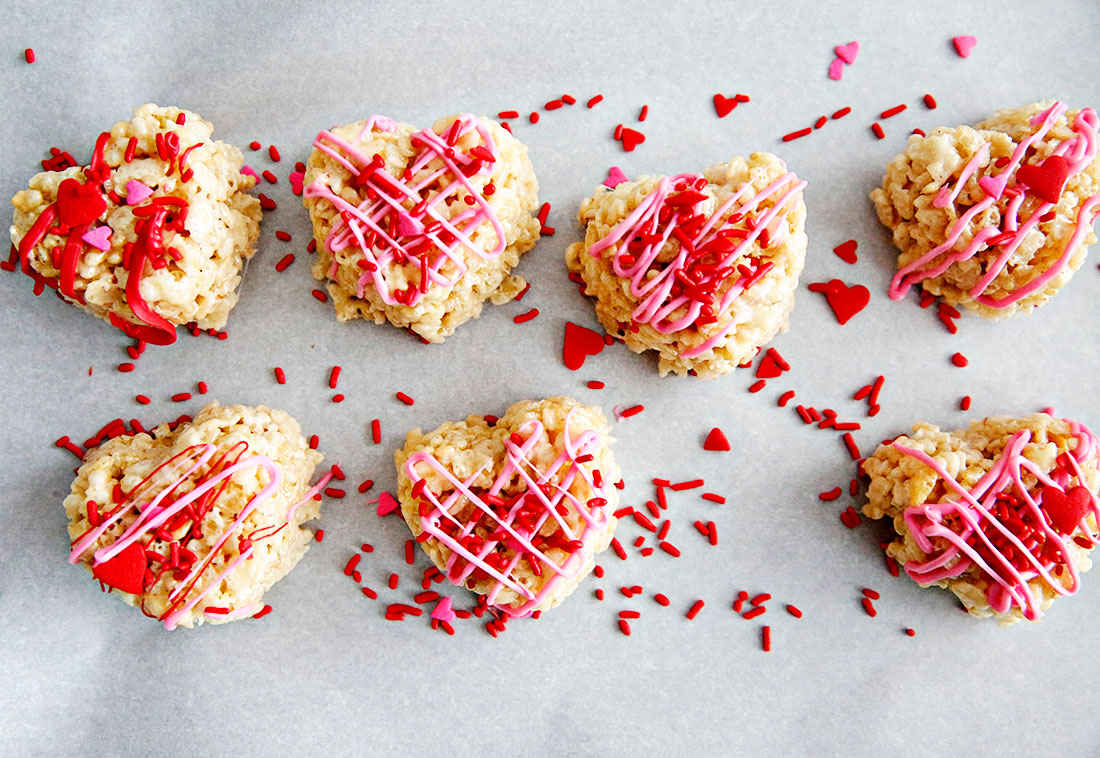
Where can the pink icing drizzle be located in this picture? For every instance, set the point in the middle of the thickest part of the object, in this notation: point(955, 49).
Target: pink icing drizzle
point(704, 262)
point(390, 234)
point(1078, 151)
point(973, 510)
point(153, 515)
point(462, 562)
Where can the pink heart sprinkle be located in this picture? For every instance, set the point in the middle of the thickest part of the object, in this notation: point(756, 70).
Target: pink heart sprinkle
point(964, 44)
point(848, 52)
point(836, 69)
point(407, 226)
point(442, 611)
point(994, 186)
point(137, 192)
point(615, 177)
point(249, 170)
point(386, 504)
point(98, 237)
point(296, 180)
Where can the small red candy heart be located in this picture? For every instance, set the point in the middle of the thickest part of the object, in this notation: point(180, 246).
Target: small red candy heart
point(716, 441)
point(79, 204)
point(769, 368)
point(1066, 509)
point(723, 105)
point(844, 300)
point(1045, 180)
point(579, 344)
point(126, 571)
point(846, 251)
point(631, 139)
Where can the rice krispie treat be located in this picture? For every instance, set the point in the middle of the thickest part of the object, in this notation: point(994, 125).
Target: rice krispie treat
point(420, 227)
point(1003, 514)
point(151, 234)
point(513, 508)
point(701, 268)
point(995, 218)
point(193, 523)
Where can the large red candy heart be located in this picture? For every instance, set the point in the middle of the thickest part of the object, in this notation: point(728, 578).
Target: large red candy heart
point(1066, 509)
point(579, 344)
point(716, 441)
point(79, 204)
point(126, 571)
point(1046, 179)
point(631, 139)
point(844, 300)
point(769, 368)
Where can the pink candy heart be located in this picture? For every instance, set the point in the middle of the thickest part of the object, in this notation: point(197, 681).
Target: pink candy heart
point(99, 238)
point(848, 52)
point(964, 44)
point(994, 186)
point(137, 192)
point(836, 69)
point(615, 177)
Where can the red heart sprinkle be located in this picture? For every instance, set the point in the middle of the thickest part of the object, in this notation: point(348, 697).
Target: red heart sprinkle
point(723, 105)
point(769, 368)
point(79, 204)
point(846, 251)
point(126, 571)
point(844, 300)
point(579, 344)
point(1066, 509)
point(716, 441)
point(1045, 180)
point(631, 139)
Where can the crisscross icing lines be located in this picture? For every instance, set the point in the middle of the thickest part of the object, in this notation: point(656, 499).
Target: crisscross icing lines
point(1078, 151)
point(974, 508)
point(592, 513)
point(657, 220)
point(400, 221)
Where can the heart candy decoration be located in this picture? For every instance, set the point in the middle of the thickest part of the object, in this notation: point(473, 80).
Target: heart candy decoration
point(79, 204)
point(124, 571)
point(1045, 180)
point(1066, 509)
point(845, 301)
point(723, 105)
point(847, 53)
point(631, 138)
point(580, 342)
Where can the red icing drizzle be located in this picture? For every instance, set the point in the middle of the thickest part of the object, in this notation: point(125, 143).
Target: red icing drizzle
point(79, 206)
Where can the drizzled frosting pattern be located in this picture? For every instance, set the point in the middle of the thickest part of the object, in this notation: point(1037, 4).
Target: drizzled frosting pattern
point(164, 521)
point(704, 278)
point(1069, 158)
point(544, 531)
point(1012, 533)
point(408, 221)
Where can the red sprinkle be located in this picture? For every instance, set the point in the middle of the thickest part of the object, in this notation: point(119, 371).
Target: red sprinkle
point(841, 113)
point(273, 153)
point(911, 632)
point(766, 639)
point(964, 404)
point(869, 607)
point(283, 236)
point(376, 431)
point(714, 498)
point(254, 145)
point(595, 385)
point(758, 385)
point(785, 398)
point(661, 600)
point(333, 377)
point(624, 627)
point(794, 611)
point(320, 296)
point(280, 376)
point(691, 614)
point(404, 398)
point(28, 55)
point(930, 102)
point(960, 360)
point(338, 397)
point(832, 494)
point(643, 113)
point(759, 610)
point(891, 112)
point(523, 318)
point(533, 118)
point(632, 411)
point(181, 397)
point(270, 177)
point(797, 134)
point(594, 101)
point(284, 262)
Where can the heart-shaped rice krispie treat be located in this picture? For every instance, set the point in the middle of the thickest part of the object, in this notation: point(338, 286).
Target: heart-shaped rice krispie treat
point(420, 227)
point(150, 235)
point(513, 508)
point(1003, 514)
point(995, 218)
point(699, 267)
point(194, 522)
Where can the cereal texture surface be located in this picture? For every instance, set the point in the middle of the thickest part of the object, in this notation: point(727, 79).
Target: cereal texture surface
point(463, 465)
point(695, 332)
point(139, 468)
point(472, 219)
